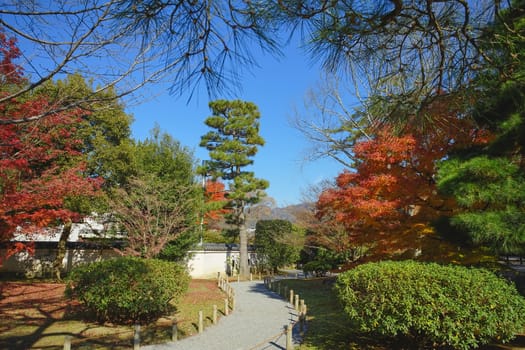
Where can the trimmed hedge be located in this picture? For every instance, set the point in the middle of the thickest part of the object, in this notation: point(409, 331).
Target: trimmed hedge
point(431, 304)
point(128, 289)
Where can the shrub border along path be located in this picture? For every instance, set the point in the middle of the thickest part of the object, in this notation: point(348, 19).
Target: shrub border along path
point(258, 322)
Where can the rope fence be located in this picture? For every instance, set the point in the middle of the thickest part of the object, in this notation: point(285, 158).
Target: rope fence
point(136, 330)
point(299, 305)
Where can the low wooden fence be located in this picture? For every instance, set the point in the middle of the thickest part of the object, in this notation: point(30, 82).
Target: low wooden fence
point(299, 305)
point(136, 331)
point(224, 284)
point(229, 305)
point(273, 284)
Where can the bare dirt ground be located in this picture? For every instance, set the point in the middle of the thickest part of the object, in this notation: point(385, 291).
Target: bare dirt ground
point(33, 302)
point(38, 316)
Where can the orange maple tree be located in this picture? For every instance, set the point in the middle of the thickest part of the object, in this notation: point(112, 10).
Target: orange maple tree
point(215, 199)
point(42, 168)
point(394, 177)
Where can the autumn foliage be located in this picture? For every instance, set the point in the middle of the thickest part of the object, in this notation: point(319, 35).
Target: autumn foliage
point(394, 179)
point(215, 199)
point(42, 168)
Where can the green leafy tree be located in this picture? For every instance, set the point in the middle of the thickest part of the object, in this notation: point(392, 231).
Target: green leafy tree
point(104, 144)
point(105, 129)
point(232, 144)
point(158, 208)
point(489, 183)
point(274, 243)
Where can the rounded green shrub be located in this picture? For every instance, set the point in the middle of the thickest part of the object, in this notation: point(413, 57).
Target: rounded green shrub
point(431, 304)
point(128, 289)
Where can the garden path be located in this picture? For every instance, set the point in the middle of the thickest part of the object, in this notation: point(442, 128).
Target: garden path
point(258, 322)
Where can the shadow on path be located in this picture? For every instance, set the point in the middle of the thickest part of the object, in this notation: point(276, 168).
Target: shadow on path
point(258, 322)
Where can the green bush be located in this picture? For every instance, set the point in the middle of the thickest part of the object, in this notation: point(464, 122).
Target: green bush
point(128, 289)
point(430, 304)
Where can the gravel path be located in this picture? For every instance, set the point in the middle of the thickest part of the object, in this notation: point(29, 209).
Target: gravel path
point(257, 323)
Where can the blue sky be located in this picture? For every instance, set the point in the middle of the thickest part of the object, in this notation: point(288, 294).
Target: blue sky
point(278, 87)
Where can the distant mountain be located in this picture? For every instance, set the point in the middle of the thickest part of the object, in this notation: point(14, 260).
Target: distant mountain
point(269, 211)
point(291, 212)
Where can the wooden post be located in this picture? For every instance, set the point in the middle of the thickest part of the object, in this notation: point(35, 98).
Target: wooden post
point(218, 279)
point(214, 317)
point(289, 339)
point(291, 296)
point(296, 302)
point(260, 275)
point(201, 323)
point(226, 306)
point(136, 337)
point(251, 276)
point(302, 316)
point(67, 342)
point(174, 330)
point(238, 278)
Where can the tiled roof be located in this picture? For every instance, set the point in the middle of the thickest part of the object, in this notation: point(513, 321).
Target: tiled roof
point(220, 247)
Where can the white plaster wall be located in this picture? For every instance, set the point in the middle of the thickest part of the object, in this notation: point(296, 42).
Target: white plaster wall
point(206, 264)
point(41, 263)
point(202, 264)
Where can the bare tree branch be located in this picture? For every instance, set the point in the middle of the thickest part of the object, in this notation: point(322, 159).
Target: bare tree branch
point(330, 125)
point(424, 48)
point(150, 220)
point(125, 44)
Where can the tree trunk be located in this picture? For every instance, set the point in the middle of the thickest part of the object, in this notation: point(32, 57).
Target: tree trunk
point(61, 250)
point(244, 268)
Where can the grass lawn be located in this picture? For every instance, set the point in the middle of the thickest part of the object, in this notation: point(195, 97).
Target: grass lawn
point(330, 329)
point(36, 315)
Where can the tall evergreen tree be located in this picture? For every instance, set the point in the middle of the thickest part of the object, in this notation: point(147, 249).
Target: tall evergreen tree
point(232, 144)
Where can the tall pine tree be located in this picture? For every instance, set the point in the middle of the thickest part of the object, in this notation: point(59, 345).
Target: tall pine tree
point(489, 182)
point(232, 144)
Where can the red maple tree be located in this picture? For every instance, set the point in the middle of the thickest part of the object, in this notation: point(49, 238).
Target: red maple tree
point(42, 168)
